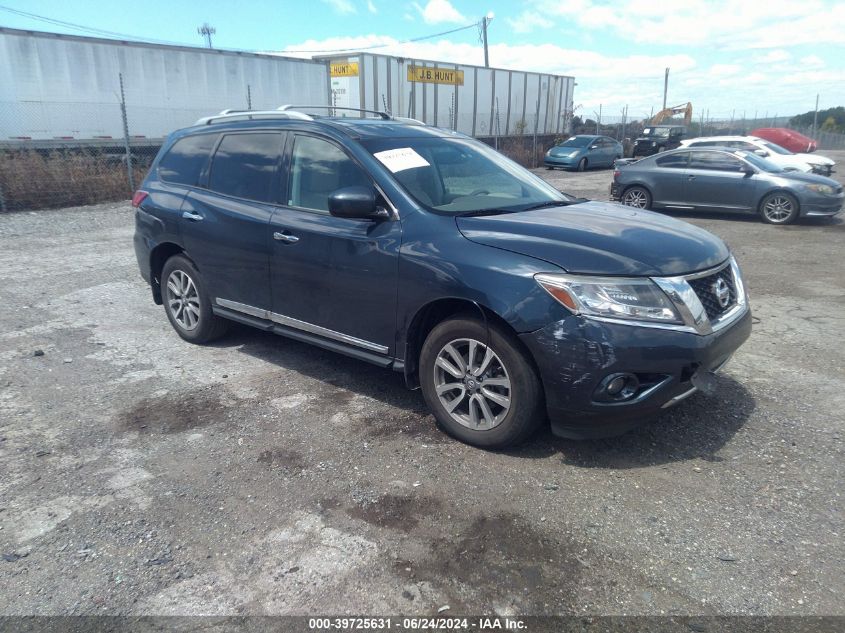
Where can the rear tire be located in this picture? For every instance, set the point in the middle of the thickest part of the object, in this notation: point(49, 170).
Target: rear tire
point(582, 164)
point(637, 197)
point(187, 304)
point(779, 207)
point(491, 396)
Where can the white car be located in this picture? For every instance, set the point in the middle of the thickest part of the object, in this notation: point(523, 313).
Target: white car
point(774, 153)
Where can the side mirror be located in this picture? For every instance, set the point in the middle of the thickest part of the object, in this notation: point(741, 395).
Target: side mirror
point(761, 152)
point(748, 170)
point(355, 202)
point(594, 146)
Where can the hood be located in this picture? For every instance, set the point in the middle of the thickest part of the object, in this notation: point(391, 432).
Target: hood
point(600, 238)
point(810, 178)
point(815, 159)
point(560, 150)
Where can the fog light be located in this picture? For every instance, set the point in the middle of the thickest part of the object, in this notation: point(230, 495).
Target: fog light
point(617, 388)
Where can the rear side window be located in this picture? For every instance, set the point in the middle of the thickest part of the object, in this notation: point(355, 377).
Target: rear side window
point(715, 161)
point(674, 161)
point(184, 161)
point(245, 166)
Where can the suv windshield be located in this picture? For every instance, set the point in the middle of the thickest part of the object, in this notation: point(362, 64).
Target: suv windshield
point(462, 176)
point(661, 132)
point(759, 162)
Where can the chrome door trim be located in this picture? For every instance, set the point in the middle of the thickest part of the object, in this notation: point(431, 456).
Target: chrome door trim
point(301, 325)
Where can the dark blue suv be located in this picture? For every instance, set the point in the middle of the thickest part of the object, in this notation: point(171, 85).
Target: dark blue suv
point(424, 251)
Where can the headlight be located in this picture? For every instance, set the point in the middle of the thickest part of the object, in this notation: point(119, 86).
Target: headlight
point(825, 190)
point(634, 299)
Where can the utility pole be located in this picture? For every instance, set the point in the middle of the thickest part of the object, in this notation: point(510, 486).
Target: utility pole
point(206, 31)
point(485, 22)
point(816, 116)
point(598, 119)
point(665, 87)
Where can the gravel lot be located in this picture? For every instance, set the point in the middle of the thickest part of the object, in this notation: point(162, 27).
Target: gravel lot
point(143, 475)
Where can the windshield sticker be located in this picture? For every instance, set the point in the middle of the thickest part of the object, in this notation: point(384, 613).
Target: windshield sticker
point(401, 159)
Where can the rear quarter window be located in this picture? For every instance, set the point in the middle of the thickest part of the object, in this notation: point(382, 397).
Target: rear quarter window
point(184, 161)
point(673, 161)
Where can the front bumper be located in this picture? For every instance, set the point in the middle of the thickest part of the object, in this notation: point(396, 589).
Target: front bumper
point(566, 162)
point(818, 205)
point(576, 354)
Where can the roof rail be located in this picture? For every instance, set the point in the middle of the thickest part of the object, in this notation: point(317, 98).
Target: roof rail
point(292, 108)
point(230, 114)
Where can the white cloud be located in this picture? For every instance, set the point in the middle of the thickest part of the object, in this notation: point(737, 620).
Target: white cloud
point(371, 7)
point(736, 25)
point(527, 21)
point(344, 7)
point(439, 11)
point(773, 57)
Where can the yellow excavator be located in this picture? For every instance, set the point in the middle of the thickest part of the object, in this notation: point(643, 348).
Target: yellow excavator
point(661, 116)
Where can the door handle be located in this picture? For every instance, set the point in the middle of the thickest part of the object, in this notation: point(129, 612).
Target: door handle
point(193, 217)
point(284, 237)
point(690, 177)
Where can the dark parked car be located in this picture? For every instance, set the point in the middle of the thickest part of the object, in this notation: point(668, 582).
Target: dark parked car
point(583, 152)
point(424, 251)
point(725, 179)
point(658, 138)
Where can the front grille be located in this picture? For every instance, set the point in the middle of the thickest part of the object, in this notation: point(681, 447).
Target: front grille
point(704, 287)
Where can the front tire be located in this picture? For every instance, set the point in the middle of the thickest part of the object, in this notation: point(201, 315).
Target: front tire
point(779, 208)
point(637, 197)
point(582, 164)
point(480, 385)
point(187, 303)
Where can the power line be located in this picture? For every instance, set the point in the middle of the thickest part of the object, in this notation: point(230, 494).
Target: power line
point(126, 36)
point(369, 48)
point(80, 27)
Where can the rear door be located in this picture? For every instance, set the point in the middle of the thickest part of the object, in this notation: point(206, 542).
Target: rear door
point(334, 277)
point(716, 180)
point(226, 221)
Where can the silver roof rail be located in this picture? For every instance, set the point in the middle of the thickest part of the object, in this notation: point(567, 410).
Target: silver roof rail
point(408, 120)
point(230, 114)
point(292, 108)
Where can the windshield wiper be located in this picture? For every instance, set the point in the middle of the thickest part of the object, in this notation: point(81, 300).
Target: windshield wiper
point(470, 214)
point(549, 203)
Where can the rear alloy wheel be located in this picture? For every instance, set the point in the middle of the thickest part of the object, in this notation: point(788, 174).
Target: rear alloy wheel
point(186, 302)
point(779, 208)
point(479, 384)
point(582, 164)
point(637, 197)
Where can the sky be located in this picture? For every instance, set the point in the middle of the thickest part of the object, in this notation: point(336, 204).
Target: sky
point(728, 57)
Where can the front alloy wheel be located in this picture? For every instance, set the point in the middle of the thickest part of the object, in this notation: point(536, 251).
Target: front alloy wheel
point(472, 384)
point(480, 383)
point(779, 208)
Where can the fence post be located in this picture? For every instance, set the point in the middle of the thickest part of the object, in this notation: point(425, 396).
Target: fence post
point(129, 173)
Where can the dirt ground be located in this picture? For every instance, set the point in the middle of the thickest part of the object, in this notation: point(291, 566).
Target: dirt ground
point(143, 475)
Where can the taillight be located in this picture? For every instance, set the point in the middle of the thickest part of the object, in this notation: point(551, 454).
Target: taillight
point(139, 197)
point(616, 174)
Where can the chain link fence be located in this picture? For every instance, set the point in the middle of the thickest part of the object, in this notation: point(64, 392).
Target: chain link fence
point(86, 165)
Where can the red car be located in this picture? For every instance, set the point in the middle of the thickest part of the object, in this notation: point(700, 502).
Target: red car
point(790, 139)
